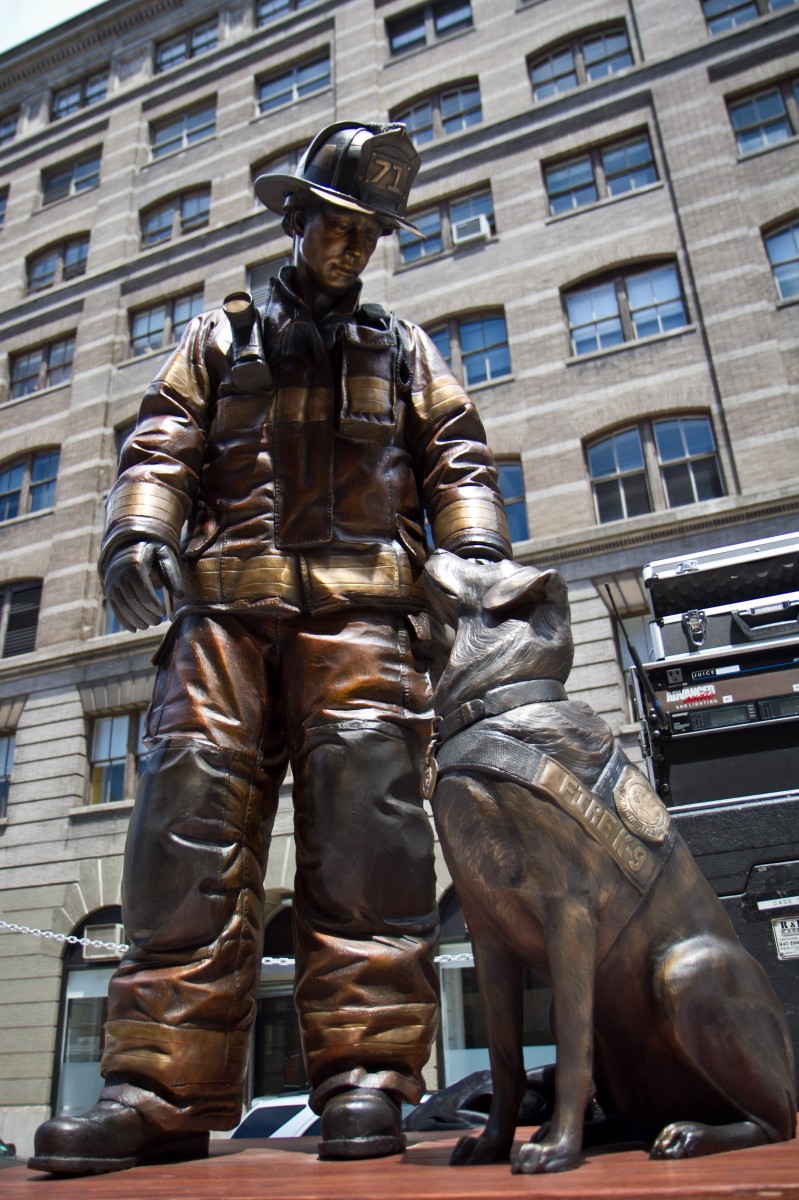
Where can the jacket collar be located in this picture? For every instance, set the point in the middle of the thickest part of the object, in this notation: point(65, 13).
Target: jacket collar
point(343, 308)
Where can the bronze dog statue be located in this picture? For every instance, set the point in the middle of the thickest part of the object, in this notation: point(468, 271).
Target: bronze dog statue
point(565, 860)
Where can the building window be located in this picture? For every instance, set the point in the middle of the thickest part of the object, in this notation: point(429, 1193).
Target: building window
point(423, 26)
point(283, 163)
point(84, 92)
point(586, 58)
point(70, 178)
point(626, 308)
point(766, 118)
point(176, 133)
point(175, 217)
point(782, 247)
point(3, 205)
point(449, 111)
point(162, 324)
point(188, 44)
point(8, 127)
point(270, 10)
point(19, 616)
point(726, 14)
point(673, 462)
point(452, 223)
point(599, 173)
point(44, 367)
point(6, 763)
point(511, 484)
point(117, 748)
point(259, 276)
point(28, 485)
point(301, 80)
point(688, 461)
point(58, 264)
point(476, 348)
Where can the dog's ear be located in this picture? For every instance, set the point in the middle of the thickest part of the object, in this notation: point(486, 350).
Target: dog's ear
point(523, 588)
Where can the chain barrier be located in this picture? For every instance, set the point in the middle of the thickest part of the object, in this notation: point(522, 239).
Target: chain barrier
point(70, 938)
point(121, 947)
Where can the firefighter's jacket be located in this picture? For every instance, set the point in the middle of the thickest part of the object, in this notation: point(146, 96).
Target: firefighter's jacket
point(307, 493)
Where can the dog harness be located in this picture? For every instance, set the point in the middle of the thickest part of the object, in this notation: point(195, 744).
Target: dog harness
point(620, 812)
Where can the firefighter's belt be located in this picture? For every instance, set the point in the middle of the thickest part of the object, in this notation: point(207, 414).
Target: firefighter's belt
point(602, 811)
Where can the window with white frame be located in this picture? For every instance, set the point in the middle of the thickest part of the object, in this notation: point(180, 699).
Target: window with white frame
point(444, 113)
point(58, 263)
point(721, 15)
point(43, 367)
point(450, 223)
point(584, 59)
point(8, 127)
point(767, 117)
point(80, 94)
point(175, 217)
point(184, 129)
point(288, 86)
point(161, 324)
point(6, 764)
point(782, 247)
point(665, 463)
point(625, 307)
point(19, 616)
point(117, 750)
point(599, 173)
point(476, 348)
point(71, 178)
point(27, 485)
point(271, 10)
point(188, 44)
point(429, 24)
point(511, 484)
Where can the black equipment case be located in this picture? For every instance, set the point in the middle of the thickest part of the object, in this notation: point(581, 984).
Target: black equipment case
point(740, 595)
point(720, 735)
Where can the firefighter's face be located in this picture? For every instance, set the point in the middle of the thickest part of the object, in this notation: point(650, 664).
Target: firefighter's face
point(334, 246)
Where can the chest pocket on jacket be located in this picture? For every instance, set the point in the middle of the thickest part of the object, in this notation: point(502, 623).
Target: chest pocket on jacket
point(368, 385)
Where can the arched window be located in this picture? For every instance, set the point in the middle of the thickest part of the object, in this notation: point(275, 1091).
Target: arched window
point(442, 113)
point(664, 463)
point(83, 1011)
point(582, 59)
point(625, 306)
point(476, 347)
point(27, 485)
point(782, 247)
point(58, 263)
point(176, 216)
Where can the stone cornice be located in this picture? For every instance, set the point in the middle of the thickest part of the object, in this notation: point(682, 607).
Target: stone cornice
point(75, 37)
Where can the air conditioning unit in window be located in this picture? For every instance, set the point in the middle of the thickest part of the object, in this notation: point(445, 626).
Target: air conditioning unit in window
point(102, 933)
point(471, 229)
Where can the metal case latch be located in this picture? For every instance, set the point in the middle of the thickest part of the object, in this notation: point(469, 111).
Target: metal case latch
point(695, 625)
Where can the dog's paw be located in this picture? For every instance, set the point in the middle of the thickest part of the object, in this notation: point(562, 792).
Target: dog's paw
point(692, 1139)
point(536, 1158)
point(682, 1139)
point(475, 1151)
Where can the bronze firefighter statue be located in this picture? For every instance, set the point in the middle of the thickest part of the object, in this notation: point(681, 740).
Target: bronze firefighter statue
point(276, 485)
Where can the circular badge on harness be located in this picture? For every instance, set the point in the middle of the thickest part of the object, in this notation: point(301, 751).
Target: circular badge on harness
point(640, 808)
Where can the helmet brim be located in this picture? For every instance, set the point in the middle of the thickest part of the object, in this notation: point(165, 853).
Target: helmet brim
point(272, 191)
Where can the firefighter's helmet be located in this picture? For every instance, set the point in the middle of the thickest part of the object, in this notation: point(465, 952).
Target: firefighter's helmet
point(365, 168)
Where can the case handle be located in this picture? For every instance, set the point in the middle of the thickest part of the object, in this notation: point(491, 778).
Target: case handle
point(765, 632)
